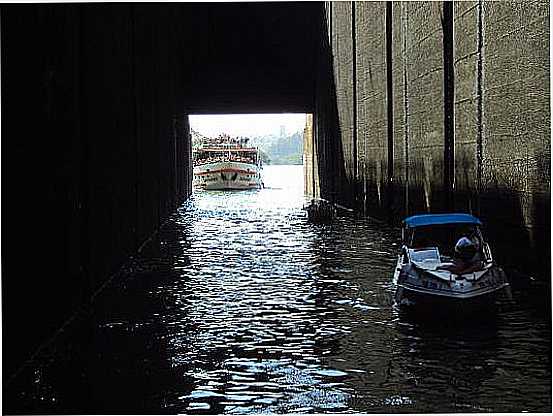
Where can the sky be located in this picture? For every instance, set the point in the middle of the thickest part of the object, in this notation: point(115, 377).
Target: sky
point(249, 125)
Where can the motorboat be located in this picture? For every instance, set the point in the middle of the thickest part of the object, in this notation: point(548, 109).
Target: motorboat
point(432, 267)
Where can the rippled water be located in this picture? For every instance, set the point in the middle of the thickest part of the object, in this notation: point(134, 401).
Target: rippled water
point(241, 306)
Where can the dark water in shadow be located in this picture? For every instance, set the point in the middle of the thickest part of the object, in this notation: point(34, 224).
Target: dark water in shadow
point(241, 306)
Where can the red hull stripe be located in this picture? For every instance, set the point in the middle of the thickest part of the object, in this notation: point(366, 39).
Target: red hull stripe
point(224, 171)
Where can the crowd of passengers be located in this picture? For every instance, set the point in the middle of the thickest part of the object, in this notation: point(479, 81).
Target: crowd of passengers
point(223, 139)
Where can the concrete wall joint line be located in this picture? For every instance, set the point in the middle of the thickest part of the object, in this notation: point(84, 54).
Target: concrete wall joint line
point(404, 32)
point(469, 125)
point(449, 108)
point(479, 104)
point(390, 100)
point(354, 99)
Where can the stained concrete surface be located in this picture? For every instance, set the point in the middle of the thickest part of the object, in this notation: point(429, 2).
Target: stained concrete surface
point(501, 111)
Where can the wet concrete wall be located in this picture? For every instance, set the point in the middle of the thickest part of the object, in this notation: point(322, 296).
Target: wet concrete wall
point(515, 124)
point(310, 161)
point(95, 137)
point(342, 47)
point(372, 143)
point(96, 154)
point(331, 175)
point(445, 106)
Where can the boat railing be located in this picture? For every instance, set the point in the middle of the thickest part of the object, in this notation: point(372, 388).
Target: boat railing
point(224, 159)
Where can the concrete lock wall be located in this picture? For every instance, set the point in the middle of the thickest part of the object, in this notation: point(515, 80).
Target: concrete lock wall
point(95, 137)
point(445, 106)
point(96, 154)
point(371, 104)
point(331, 180)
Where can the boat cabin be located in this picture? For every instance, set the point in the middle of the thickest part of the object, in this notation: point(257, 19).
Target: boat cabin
point(431, 238)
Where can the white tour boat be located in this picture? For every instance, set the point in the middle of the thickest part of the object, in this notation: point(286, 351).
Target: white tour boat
point(226, 163)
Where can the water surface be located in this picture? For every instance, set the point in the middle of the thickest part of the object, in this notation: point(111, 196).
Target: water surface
point(241, 306)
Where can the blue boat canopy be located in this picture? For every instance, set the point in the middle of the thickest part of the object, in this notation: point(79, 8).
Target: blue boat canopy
point(437, 219)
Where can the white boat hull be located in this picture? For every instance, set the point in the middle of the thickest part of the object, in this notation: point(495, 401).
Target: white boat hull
point(227, 175)
point(413, 283)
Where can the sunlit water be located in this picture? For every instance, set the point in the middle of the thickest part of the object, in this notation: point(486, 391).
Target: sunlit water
point(242, 306)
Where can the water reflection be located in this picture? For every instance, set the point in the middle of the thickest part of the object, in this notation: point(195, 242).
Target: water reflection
point(259, 332)
point(241, 306)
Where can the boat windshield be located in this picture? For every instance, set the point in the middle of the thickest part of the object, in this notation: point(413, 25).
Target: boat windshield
point(443, 236)
point(430, 255)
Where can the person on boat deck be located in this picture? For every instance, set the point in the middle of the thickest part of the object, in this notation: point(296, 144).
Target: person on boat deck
point(466, 258)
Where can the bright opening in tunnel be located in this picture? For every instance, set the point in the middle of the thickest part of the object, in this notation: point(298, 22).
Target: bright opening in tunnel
point(245, 151)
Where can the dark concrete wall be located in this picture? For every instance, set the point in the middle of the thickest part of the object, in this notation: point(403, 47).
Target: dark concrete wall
point(372, 126)
point(95, 141)
point(424, 105)
point(332, 176)
point(399, 183)
point(342, 48)
point(485, 90)
point(516, 127)
point(95, 152)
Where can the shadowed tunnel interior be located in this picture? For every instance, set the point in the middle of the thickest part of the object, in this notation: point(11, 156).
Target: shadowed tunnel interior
point(96, 146)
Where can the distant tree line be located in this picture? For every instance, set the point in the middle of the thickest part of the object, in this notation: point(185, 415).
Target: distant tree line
point(287, 150)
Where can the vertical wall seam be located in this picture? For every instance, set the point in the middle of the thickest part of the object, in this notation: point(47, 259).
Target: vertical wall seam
point(175, 196)
point(134, 121)
point(390, 101)
point(479, 106)
point(354, 98)
point(404, 20)
point(84, 180)
point(329, 22)
point(314, 120)
point(449, 104)
point(155, 33)
point(329, 180)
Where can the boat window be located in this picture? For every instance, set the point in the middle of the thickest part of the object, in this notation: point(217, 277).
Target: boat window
point(425, 255)
point(429, 258)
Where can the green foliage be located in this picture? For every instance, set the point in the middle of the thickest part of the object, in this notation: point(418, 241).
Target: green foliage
point(295, 159)
point(264, 157)
point(286, 150)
